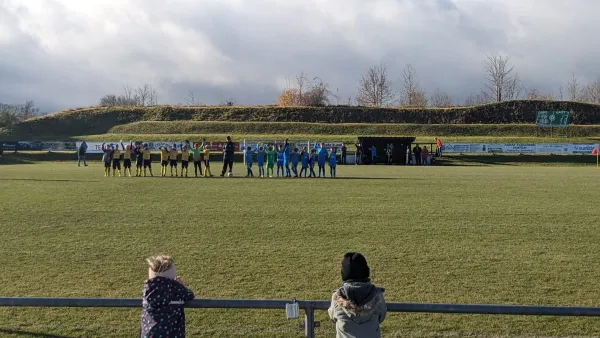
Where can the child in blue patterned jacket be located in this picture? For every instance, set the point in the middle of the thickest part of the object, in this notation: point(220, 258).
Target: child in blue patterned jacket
point(163, 297)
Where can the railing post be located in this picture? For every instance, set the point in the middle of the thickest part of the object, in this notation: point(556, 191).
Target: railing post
point(309, 322)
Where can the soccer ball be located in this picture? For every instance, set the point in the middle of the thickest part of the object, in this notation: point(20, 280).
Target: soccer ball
point(229, 174)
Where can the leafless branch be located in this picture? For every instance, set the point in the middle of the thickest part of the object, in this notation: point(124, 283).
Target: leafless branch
point(375, 88)
point(502, 83)
point(411, 94)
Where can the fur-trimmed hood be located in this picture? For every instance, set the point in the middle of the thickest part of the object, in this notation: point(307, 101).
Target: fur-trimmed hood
point(359, 300)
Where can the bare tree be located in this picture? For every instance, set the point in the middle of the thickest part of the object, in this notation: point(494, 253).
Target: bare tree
point(535, 94)
point(28, 110)
point(475, 99)
point(560, 93)
point(11, 114)
point(375, 88)
point(502, 83)
point(574, 89)
point(111, 100)
point(128, 92)
point(191, 100)
point(228, 102)
point(440, 99)
point(317, 94)
point(108, 100)
point(336, 96)
point(591, 92)
point(301, 81)
point(152, 97)
point(143, 94)
point(308, 92)
point(411, 94)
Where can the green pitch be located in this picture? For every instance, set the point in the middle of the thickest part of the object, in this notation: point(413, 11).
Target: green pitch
point(495, 235)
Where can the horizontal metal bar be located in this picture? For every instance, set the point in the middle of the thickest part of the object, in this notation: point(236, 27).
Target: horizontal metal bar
point(304, 304)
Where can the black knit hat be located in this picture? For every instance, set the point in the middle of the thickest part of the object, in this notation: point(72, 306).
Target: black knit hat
point(355, 267)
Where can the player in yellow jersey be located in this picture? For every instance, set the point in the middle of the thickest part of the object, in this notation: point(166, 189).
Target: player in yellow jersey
point(127, 157)
point(116, 165)
point(206, 152)
point(147, 155)
point(173, 154)
point(164, 161)
point(185, 160)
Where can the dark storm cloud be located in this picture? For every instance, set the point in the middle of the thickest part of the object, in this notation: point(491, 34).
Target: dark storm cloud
point(66, 53)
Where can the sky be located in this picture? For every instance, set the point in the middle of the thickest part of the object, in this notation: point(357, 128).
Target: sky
point(69, 53)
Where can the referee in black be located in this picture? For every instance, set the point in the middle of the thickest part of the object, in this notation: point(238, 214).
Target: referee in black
point(228, 151)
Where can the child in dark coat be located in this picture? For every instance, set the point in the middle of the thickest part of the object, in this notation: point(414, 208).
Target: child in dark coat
point(358, 307)
point(163, 297)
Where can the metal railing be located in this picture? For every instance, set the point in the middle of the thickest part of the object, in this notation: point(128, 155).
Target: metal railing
point(309, 306)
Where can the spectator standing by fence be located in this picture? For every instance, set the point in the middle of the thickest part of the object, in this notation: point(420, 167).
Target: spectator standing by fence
point(424, 156)
point(228, 151)
point(438, 149)
point(417, 152)
point(163, 297)
point(81, 154)
point(389, 151)
point(358, 306)
point(373, 150)
point(344, 152)
point(359, 152)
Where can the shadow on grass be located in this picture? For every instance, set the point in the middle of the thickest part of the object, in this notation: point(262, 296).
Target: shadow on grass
point(339, 178)
point(43, 180)
point(515, 160)
point(29, 334)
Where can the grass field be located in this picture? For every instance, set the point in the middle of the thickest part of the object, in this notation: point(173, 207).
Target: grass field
point(476, 234)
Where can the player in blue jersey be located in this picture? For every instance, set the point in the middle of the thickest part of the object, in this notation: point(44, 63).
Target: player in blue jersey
point(322, 158)
point(260, 160)
point(286, 158)
point(248, 154)
point(280, 157)
point(305, 159)
point(295, 158)
point(313, 160)
point(332, 162)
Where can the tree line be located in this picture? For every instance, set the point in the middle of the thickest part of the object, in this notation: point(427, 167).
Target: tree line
point(501, 82)
point(11, 114)
point(142, 96)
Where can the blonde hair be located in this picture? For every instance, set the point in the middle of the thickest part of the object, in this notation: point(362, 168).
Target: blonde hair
point(160, 263)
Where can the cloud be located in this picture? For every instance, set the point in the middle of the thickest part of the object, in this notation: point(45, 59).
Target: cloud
point(67, 53)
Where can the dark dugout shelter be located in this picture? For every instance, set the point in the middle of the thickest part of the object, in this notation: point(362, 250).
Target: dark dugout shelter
point(400, 144)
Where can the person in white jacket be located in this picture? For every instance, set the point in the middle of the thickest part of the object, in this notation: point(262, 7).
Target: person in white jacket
point(358, 306)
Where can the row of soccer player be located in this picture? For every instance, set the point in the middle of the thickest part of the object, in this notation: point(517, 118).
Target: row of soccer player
point(286, 158)
point(112, 156)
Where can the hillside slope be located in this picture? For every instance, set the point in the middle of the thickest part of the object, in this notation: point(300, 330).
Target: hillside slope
point(99, 120)
point(373, 129)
